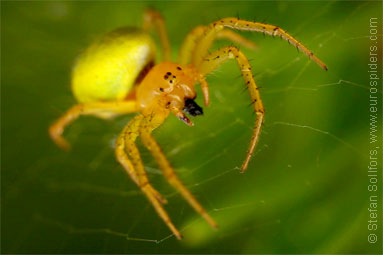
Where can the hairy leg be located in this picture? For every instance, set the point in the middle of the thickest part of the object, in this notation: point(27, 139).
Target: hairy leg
point(128, 155)
point(217, 58)
point(189, 45)
point(153, 18)
point(236, 38)
point(169, 173)
point(101, 109)
point(205, 42)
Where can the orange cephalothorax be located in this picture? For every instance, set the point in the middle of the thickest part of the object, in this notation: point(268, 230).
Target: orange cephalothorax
point(169, 87)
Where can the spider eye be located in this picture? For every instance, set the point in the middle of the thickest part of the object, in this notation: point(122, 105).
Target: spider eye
point(192, 107)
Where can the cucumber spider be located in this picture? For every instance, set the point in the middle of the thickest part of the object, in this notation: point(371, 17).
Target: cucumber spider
point(116, 75)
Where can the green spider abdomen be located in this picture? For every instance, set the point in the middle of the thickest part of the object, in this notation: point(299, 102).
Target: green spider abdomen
point(108, 68)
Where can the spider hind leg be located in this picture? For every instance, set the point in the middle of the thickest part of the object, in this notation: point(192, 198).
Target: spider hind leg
point(98, 109)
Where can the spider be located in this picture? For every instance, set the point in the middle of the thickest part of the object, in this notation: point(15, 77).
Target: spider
point(117, 75)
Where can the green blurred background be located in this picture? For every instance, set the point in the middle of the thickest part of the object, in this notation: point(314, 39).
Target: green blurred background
point(306, 187)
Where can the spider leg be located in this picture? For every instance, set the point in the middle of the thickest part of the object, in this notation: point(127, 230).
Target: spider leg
point(100, 109)
point(217, 58)
point(205, 90)
point(234, 23)
point(168, 171)
point(128, 155)
point(190, 42)
point(130, 134)
point(236, 38)
point(153, 18)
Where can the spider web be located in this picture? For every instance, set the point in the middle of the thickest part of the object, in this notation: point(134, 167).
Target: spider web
point(297, 135)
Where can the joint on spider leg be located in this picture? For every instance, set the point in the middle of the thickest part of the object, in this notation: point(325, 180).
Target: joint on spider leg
point(275, 31)
point(170, 176)
point(142, 185)
point(81, 108)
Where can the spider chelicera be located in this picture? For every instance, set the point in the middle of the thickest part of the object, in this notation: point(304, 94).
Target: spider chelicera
point(117, 75)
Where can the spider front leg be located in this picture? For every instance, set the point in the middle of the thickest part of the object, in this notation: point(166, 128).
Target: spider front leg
point(101, 109)
point(168, 171)
point(190, 42)
point(153, 18)
point(128, 156)
point(215, 59)
point(205, 42)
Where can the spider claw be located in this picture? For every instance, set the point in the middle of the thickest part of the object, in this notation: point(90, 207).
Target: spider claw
point(213, 224)
point(61, 143)
point(244, 166)
point(181, 116)
point(178, 235)
point(186, 120)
